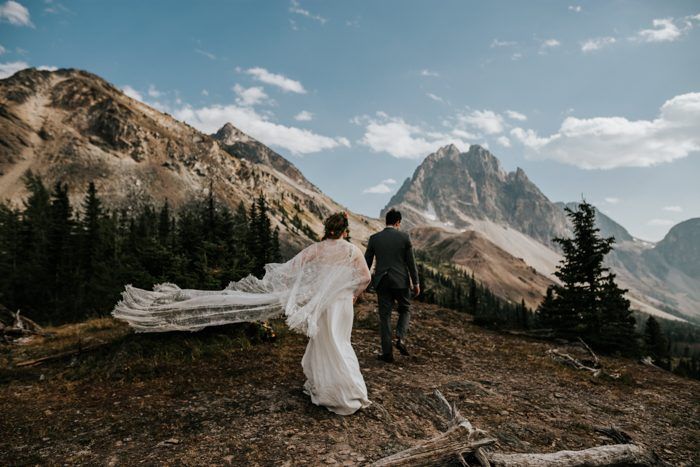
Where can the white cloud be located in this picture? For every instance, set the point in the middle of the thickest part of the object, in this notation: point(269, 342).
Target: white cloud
point(296, 8)
point(47, 68)
point(15, 13)
point(611, 142)
point(664, 30)
point(575, 8)
point(503, 141)
point(513, 115)
point(591, 45)
point(133, 93)
point(205, 92)
point(381, 188)
point(516, 56)
point(2, 50)
point(154, 92)
point(434, 97)
point(304, 116)
point(487, 121)
point(401, 140)
point(296, 140)
point(673, 208)
point(426, 72)
point(281, 81)
point(10, 68)
point(249, 96)
point(548, 45)
point(497, 43)
point(209, 55)
point(661, 222)
point(612, 200)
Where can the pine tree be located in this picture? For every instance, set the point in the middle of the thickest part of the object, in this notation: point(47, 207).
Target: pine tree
point(588, 303)
point(655, 344)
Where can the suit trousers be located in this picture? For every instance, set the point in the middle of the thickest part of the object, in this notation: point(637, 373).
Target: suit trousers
point(386, 296)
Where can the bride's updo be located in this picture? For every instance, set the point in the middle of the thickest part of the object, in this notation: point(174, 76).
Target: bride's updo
point(335, 225)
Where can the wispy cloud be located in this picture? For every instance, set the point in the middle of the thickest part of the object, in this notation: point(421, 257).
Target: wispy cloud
point(499, 43)
point(2, 50)
point(575, 8)
point(15, 13)
point(548, 45)
point(504, 141)
point(402, 140)
point(10, 68)
point(304, 116)
point(435, 97)
point(426, 72)
point(611, 142)
point(513, 115)
point(486, 121)
point(591, 45)
point(281, 81)
point(154, 92)
point(209, 55)
point(131, 92)
point(249, 96)
point(296, 8)
point(661, 222)
point(673, 208)
point(612, 200)
point(664, 30)
point(381, 188)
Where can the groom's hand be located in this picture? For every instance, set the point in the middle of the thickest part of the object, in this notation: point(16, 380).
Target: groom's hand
point(416, 290)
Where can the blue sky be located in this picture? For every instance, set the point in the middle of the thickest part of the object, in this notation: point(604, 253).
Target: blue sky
point(589, 97)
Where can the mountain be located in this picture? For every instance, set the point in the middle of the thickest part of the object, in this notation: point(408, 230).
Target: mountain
point(73, 126)
point(459, 189)
point(467, 193)
point(680, 247)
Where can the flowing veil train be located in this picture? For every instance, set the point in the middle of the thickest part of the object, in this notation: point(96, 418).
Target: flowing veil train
point(313, 291)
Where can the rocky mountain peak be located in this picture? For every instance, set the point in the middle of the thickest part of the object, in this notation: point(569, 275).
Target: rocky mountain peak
point(229, 135)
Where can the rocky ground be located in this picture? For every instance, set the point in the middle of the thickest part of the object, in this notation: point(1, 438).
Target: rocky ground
point(217, 399)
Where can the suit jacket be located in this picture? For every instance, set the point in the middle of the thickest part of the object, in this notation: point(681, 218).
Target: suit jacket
point(395, 261)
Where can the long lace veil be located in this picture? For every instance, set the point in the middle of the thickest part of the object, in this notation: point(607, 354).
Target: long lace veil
point(300, 289)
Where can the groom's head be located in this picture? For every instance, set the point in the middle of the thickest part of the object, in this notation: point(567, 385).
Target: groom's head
point(393, 217)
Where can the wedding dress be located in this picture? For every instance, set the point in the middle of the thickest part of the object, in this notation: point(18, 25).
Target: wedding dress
point(313, 291)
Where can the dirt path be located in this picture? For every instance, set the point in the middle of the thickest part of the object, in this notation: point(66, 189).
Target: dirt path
point(247, 407)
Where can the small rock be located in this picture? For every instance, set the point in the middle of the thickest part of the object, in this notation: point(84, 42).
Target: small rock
point(228, 459)
point(168, 442)
point(504, 412)
point(331, 461)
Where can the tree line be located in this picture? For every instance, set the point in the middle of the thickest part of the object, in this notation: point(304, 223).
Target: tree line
point(60, 263)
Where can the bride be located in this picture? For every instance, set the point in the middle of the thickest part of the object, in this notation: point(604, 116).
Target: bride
point(314, 291)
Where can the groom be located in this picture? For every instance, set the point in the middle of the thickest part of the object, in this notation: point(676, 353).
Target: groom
point(395, 267)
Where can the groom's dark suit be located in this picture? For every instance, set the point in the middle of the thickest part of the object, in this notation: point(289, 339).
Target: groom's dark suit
point(395, 271)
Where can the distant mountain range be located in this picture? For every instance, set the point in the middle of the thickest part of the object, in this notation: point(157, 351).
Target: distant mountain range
point(462, 193)
point(73, 126)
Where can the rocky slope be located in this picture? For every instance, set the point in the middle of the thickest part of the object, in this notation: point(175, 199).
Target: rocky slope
point(73, 126)
point(208, 398)
point(505, 275)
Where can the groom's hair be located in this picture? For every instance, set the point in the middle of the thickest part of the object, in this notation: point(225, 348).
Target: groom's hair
point(393, 216)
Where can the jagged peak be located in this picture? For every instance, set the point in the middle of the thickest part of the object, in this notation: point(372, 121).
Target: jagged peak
point(230, 134)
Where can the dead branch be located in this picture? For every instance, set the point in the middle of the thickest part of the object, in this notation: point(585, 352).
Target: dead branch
point(568, 360)
point(460, 437)
point(60, 355)
point(596, 362)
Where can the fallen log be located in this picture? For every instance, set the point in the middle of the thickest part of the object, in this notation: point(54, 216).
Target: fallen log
point(462, 441)
point(628, 455)
point(461, 437)
point(566, 359)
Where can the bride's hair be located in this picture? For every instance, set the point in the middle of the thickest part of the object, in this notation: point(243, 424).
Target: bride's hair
point(335, 225)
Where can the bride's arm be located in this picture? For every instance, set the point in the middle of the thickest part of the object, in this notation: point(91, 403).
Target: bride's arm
point(362, 274)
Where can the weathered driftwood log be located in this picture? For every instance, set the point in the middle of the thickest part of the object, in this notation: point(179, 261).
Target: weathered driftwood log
point(13, 325)
point(461, 437)
point(463, 440)
point(628, 455)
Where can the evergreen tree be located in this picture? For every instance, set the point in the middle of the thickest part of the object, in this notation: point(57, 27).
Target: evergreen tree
point(588, 303)
point(655, 344)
